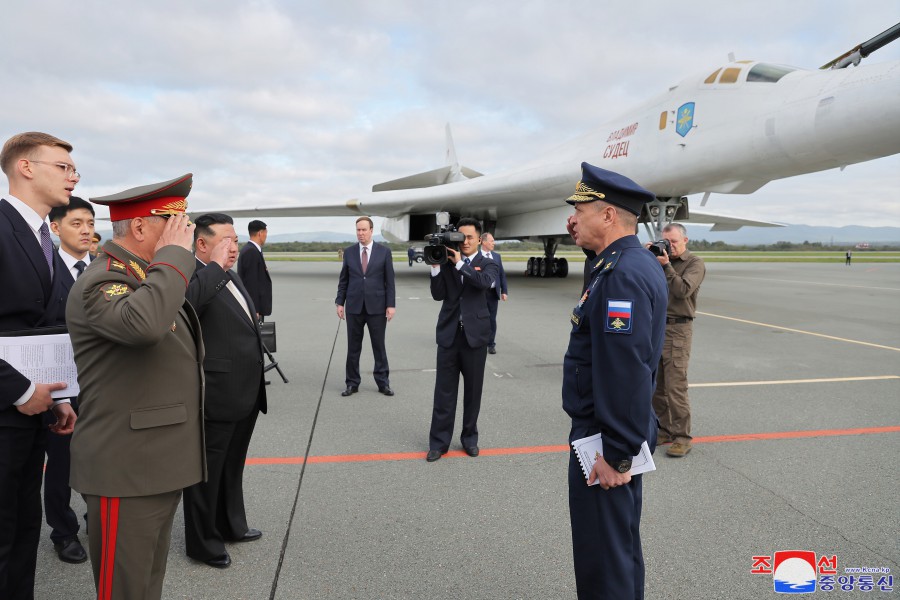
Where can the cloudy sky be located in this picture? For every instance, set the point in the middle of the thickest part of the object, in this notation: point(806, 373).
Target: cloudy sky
point(284, 102)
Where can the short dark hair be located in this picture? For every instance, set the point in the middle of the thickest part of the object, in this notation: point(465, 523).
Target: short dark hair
point(470, 222)
point(255, 226)
point(57, 213)
point(371, 224)
point(205, 222)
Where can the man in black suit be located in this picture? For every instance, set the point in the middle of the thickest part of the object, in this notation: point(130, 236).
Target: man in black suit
point(366, 298)
point(253, 271)
point(41, 175)
point(74, 226)
point(235, 393)
point(463, 330)
point(499, 292)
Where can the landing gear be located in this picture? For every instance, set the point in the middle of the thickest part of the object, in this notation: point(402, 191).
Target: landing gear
point(547, 265)
point(661, 212)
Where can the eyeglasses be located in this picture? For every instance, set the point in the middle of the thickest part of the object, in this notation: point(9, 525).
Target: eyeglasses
point(70, 171)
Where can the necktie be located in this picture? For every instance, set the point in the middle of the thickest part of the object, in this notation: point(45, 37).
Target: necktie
point(365, 260)
point(489, 255)
point(79, 266)
point(47, 246)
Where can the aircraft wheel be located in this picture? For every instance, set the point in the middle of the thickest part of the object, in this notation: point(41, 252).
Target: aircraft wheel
point(562, 268)
point(542, 267)
point(529, 267)
point(553, 267)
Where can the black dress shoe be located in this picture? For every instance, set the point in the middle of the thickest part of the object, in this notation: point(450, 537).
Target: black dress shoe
point(433, 455)
point(251, 536)
point(492, 349)
point(71, 551)
point(386, 390)
point(351, 389)
point(219, 562)
point(471, 450)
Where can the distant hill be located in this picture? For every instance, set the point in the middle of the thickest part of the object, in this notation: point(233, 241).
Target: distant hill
point(850, 234)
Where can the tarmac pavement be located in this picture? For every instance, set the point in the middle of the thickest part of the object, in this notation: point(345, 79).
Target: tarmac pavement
point(795, 377)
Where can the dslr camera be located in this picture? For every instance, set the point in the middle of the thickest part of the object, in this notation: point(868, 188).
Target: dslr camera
point(436, 251)
point(660, 246)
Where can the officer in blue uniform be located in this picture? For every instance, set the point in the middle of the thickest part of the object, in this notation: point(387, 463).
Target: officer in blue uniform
point(609, 375)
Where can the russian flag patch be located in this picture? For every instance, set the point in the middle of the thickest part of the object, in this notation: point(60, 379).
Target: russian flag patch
point(618, 316)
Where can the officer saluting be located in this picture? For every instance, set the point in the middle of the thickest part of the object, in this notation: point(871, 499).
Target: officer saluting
point(139, 354)
point(609, 374)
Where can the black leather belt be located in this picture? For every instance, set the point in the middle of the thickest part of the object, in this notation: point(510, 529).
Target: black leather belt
point(678, 320)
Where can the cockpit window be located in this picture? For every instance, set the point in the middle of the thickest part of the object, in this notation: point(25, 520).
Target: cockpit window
point(768, 73)
point(730, 75)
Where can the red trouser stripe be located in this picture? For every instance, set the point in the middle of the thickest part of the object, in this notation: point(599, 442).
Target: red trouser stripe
point(109, 528)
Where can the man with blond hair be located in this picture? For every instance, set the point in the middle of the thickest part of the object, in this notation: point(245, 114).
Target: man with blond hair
point(41, 176)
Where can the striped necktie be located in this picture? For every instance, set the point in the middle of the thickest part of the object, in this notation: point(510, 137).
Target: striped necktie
point(47, 247)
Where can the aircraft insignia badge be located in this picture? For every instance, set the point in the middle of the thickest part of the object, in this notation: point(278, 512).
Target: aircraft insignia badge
point(685, 119)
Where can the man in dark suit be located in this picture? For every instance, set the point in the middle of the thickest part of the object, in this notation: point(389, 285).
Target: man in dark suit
point(41, 175)
point(74, 225)
point(463, 330)
point(235, 393)
point(499, 291)
point(253, 271)
point(366, 298)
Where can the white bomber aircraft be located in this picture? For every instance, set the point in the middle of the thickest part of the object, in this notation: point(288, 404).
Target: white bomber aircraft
point(729, 130)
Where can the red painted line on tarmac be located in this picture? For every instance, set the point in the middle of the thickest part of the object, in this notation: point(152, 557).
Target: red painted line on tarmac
point(713, 439)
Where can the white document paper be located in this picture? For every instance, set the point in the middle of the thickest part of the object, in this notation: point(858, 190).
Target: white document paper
point(590, 449)
point(43, 359)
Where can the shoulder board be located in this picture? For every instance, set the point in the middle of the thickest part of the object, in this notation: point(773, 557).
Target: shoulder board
point(114, 265)
point(608, 263)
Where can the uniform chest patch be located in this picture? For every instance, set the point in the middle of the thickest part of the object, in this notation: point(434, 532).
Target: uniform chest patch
point(618, 316)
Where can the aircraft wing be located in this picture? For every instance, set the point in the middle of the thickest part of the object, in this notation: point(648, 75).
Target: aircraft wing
point(727, 223)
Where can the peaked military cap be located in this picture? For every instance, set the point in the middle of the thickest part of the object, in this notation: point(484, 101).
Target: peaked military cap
point(615, 189)
point(156, 199)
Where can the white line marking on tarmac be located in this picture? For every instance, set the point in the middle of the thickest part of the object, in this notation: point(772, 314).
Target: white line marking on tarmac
point(788, 381)
point(822, 335)
point(846, 285)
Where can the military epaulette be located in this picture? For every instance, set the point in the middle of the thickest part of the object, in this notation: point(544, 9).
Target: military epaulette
point(114, 265)
point(608, 263)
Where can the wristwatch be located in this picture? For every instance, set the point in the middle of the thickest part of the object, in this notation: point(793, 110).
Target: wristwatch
point(622, 466)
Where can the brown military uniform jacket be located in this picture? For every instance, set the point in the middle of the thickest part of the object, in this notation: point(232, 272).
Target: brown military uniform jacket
point(139, 354)
point(684, 276)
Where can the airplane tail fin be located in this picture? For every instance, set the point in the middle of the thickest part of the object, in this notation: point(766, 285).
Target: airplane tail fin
point(450, 173)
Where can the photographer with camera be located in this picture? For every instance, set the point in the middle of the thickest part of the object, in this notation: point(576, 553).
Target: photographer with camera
point(684, 273)
point(461, 278)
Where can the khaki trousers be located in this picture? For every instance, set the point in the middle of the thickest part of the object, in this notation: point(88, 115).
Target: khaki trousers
point(671, 402)
point(129, 544)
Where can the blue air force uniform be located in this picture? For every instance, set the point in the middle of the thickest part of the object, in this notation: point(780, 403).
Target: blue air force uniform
point(609, 375)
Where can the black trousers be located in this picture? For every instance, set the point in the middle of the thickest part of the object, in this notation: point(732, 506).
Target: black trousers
point(21, 462)
point(57, 493)
point(356, 325)
point(493, 301)
point(606, 537)
point(459, 359)
point(214, 510)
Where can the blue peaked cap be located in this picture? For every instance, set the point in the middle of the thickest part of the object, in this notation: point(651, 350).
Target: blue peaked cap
point(612, 188)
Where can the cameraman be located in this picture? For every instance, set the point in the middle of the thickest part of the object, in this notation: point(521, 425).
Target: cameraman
point(684, 273)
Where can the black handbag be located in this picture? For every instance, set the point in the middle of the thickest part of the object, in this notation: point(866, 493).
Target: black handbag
point(267, 331)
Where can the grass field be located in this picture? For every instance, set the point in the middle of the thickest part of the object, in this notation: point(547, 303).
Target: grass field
point(766, 256)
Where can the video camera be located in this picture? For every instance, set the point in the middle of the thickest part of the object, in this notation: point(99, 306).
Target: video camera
point(660, 246)
point(436, 251)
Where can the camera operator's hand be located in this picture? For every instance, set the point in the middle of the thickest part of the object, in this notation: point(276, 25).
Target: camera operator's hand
point(453, 256)
point(663, 258)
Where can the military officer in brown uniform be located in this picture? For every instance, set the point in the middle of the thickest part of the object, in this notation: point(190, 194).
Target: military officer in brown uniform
point(684, 273)
point(139, 355)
